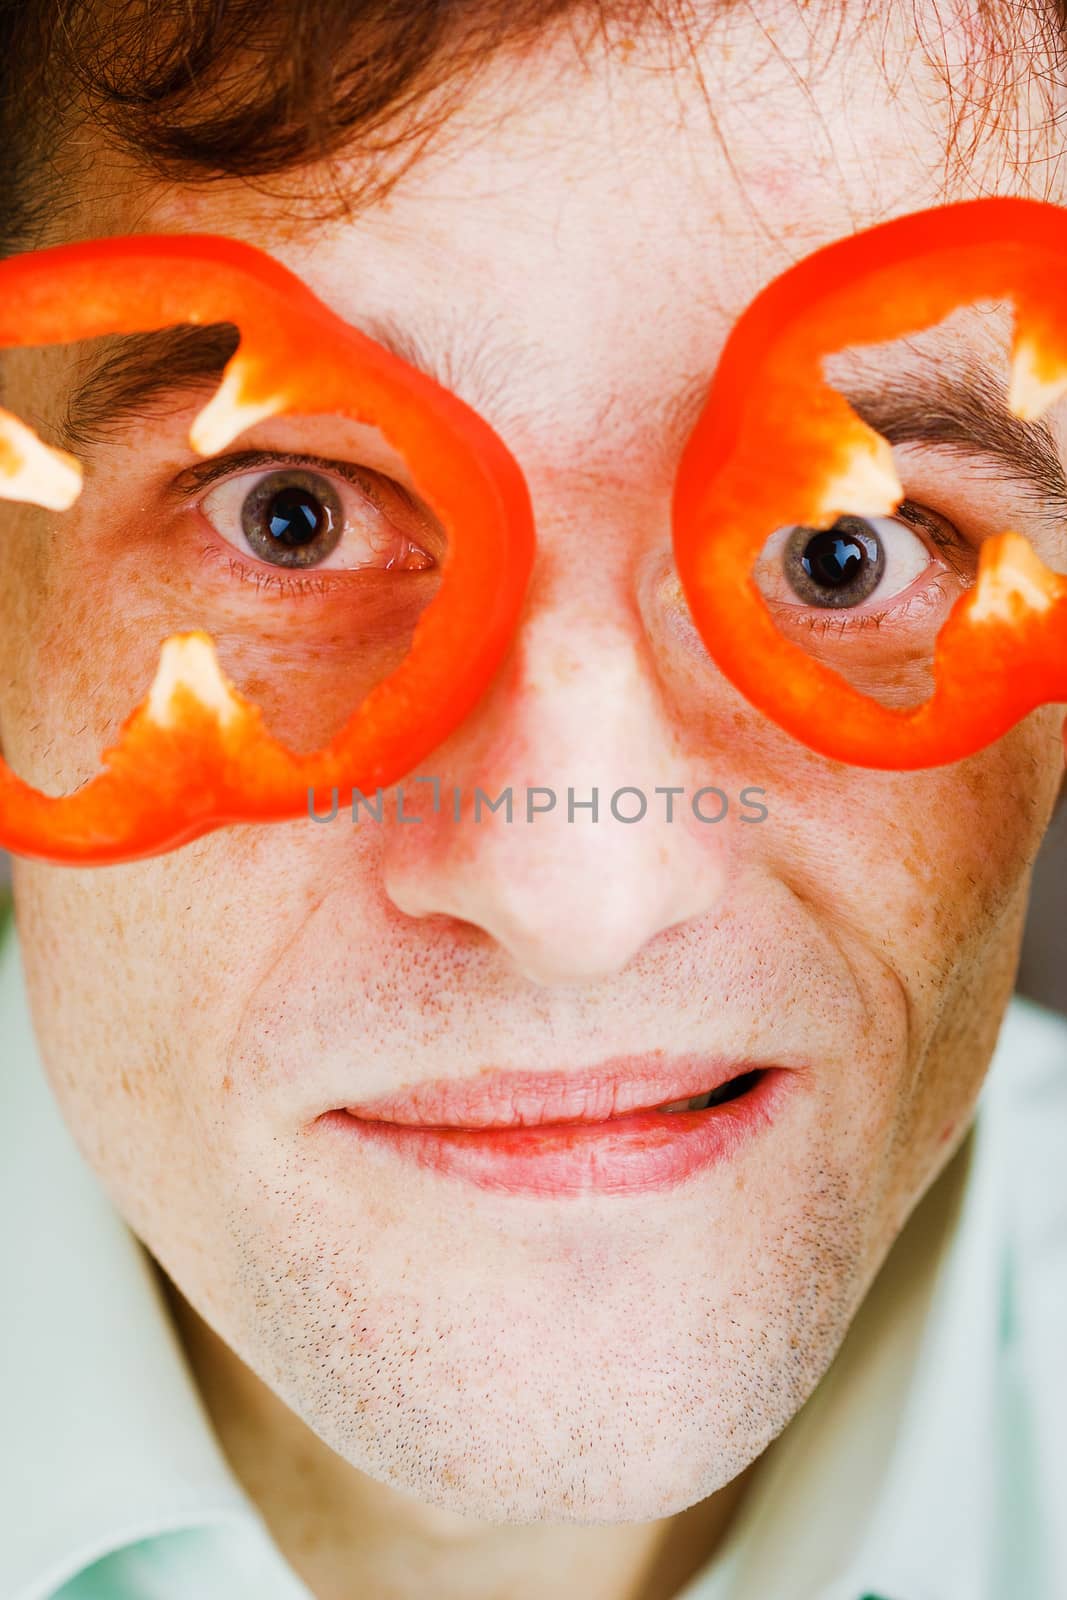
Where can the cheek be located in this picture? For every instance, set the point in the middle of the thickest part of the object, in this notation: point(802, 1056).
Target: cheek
point(78, 650)
point(957, 868)
point(136, 1039)
point(22, 580)
point(922, 867)
point(964, 841)
point(101, 951)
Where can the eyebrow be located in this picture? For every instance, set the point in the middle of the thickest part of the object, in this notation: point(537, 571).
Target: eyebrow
point(124, 375)
point(953, 403)
point(128, 377)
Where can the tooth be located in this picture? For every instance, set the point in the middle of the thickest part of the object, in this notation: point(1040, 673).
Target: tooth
point(695, 1102)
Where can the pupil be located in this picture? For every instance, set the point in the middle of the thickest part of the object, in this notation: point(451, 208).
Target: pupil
point(833, 560)
point(839, 566)
point(295, 517)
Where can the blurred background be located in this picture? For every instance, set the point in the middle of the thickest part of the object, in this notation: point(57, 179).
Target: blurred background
point(1044, 967)
point(1043, 974)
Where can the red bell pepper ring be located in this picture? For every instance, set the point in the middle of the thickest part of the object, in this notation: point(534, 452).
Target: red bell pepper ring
point(776, 445)
point(195, 754)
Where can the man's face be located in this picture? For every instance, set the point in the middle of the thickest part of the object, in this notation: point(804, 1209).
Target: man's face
point(571, 256)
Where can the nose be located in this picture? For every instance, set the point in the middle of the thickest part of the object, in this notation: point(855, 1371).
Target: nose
point(597, 856)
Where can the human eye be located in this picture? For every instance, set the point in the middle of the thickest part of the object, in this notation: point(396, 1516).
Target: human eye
point(276, 514)
point(864, 572)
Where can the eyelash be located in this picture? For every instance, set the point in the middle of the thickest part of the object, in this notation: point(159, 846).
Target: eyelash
point(208, 472)
point(284, 582)
point(953, 541)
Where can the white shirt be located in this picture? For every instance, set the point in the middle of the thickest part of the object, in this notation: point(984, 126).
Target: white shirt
point(929, 1464)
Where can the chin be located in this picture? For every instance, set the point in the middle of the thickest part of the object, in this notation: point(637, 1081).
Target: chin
point(511, 1480)
point(558, 1435)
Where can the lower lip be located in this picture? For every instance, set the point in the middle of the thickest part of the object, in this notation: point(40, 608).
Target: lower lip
point(635, 1154)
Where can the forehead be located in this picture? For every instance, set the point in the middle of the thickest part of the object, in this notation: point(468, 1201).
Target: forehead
point(800, 117)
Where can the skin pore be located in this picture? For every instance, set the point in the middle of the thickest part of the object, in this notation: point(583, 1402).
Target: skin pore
point(420, 1382)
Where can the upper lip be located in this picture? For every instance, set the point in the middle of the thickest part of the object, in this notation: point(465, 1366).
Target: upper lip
point(501, 1099)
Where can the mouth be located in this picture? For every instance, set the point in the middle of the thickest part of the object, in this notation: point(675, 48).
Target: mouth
point(732, 1089)
point(627, 1127)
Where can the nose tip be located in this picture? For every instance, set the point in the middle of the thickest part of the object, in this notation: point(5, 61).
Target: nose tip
point(573, 949)
point(571, 905)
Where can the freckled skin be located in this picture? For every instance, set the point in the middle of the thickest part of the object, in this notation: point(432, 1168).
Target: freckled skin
point(507, 1360)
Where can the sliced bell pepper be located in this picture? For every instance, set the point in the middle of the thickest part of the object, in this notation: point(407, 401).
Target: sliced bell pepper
point(195, 753)
point(776, 445)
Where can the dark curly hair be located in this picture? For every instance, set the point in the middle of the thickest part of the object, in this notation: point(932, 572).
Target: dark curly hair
point(203, 89)
point(208, 89)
